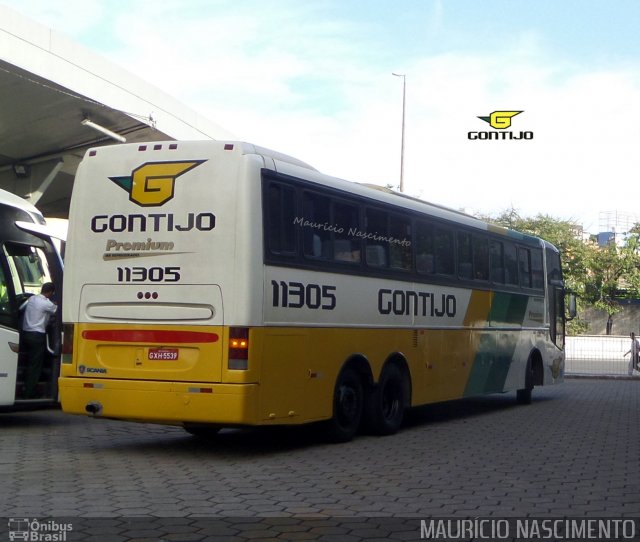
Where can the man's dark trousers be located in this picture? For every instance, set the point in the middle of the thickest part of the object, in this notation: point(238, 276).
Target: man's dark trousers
point(35, 346)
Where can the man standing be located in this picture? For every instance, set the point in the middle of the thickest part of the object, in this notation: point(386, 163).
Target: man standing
point(635, 354)
point(39, 308)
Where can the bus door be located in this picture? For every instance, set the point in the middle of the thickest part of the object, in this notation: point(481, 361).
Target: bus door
point(24, 269)
point(9, 338)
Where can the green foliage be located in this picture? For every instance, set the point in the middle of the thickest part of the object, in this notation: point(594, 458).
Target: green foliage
point(599, 276)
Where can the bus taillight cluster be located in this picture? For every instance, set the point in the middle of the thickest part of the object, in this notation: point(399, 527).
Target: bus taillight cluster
point(239, 348)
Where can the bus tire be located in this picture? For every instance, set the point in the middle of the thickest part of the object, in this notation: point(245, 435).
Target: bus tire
point(387, 402)
point(524, 395)
point(201, 430)
point(348, 401)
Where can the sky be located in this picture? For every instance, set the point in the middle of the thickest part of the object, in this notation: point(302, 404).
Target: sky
point(314, 79)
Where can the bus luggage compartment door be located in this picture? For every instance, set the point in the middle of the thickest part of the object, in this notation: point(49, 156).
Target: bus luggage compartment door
point(151, 332)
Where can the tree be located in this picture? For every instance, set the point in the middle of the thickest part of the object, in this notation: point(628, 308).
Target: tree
point(605, 268)
point(599, 276)
point(613, 274)
point(567, 237)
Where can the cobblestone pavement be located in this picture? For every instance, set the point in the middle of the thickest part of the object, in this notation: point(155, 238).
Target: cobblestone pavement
point(575, 452)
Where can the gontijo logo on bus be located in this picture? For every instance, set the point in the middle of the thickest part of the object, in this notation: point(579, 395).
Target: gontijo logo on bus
point(153, 183)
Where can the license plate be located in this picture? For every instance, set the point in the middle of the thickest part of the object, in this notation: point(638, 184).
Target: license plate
point(163, 354)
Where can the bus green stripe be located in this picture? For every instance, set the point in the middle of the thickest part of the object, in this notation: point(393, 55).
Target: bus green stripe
point(491, 363)
point(508, 308)
point(495, 349)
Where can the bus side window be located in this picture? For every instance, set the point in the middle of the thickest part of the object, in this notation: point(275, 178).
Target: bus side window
point(377, 225)
point(537, 271)
point(480, 257)
point(510, 264)
point(400, 249)
point(465, 258)
point(445, 255)
point(281, 215)
point(524, 258)
point(497, 262)
point(316, 238)
point(425, 256)
point(346, 220)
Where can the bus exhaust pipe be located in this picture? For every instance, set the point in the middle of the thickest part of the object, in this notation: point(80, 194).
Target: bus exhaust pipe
point(94, 408)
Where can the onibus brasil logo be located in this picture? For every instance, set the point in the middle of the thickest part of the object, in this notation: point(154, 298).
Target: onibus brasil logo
point(38, 530)
point(153, 183)
point(500, 120)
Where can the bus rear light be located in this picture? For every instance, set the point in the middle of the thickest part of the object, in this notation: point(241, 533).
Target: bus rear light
point(238, 348)
point(67, 343)
point(240, 344)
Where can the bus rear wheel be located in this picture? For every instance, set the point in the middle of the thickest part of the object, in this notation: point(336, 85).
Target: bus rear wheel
point(348, 400)
point(387, 402)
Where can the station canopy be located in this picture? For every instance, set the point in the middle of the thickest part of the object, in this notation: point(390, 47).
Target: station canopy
point(57, 99)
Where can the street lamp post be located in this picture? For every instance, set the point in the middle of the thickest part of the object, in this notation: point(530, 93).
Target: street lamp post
point(404, 95)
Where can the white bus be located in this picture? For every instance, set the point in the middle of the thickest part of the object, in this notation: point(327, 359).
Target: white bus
point(28, 259)
point(212, 284)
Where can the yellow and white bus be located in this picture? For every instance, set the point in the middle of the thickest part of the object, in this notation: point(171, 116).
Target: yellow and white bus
point(211, 284)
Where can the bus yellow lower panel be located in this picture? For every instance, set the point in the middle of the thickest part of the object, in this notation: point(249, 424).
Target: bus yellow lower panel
point(161, 402)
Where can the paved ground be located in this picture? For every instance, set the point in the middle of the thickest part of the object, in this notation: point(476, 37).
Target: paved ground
point(574, 452)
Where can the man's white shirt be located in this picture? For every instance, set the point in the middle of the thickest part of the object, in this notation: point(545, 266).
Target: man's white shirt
point(37, 313)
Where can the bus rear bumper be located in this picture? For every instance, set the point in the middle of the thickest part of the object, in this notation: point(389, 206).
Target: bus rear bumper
point(161, 402)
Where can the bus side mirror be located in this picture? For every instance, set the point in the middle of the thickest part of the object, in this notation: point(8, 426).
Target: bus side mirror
point(573, 307)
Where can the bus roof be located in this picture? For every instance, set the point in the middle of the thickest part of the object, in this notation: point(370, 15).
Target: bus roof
point(386, 195)
point(7, 198)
